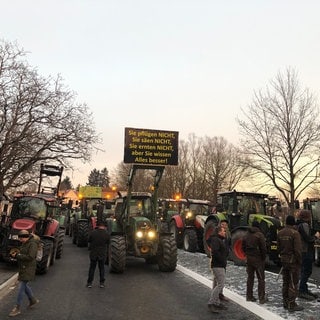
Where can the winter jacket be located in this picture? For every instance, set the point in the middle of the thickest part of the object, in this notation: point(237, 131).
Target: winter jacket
point(27, 260)
point(219, 252)
point(289, 245)
point(254, 244)
point(307, 240)
point(98, 241)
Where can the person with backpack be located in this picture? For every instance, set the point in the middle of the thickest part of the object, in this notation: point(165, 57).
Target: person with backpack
point(26, 258)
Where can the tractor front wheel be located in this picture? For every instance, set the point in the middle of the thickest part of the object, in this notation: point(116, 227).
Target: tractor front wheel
point(117, 254)
point(177, 236)
point(190, 240)
point(167, 253)
point(44, 265)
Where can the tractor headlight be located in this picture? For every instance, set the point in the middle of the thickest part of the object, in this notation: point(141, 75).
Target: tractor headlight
point(151, 234)
point(189, 215)
point(139, 234)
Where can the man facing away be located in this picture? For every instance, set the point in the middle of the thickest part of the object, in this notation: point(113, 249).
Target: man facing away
point(98, 241)
point(255, 248)
point(289, 247)
point(219, 253)
point(307, 242)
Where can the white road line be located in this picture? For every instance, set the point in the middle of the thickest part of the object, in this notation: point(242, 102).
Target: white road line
point(251, 306)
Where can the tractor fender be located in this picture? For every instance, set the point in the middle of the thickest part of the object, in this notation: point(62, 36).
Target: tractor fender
point(24, 224)
point(178, 221)
point(52, 228)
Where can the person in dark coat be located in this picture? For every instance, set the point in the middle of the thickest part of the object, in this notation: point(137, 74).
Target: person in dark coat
point(255, 248)
point(98, 242)
point(307, 242)
point(219, 254)
point(289, 248)
point(27, 264)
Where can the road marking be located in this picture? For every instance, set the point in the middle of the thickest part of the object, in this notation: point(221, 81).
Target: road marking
point(251, 306)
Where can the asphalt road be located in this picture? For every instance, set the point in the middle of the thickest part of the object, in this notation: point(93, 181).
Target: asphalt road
point(141, 292)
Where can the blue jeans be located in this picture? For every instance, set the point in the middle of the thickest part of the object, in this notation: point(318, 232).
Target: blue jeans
point(24, 288)
point(306, 271)
point(92, 269)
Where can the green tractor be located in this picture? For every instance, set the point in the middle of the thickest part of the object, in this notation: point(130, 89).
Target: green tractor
point(136, 229)
point(240, 209)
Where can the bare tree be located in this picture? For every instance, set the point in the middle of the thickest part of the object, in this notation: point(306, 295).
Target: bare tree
point(40, 121)
point(280, 135)
point(221, 165)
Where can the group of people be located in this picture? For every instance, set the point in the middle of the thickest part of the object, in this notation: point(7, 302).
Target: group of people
point(98, 241)
point(295, 246)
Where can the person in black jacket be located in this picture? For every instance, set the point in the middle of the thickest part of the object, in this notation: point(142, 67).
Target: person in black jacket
point(219, 254)
point(98, 242)
point(255, 248)
point(307, 241)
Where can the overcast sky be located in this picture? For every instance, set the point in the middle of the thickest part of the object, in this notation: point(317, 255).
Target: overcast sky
point(178, 65)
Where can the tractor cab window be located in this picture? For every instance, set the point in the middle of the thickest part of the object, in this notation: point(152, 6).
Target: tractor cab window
point(199, 209)
point(29, 207)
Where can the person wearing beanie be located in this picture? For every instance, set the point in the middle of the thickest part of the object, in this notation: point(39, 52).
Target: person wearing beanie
point(26, 257)
point(255, 248)
point(307, 241)
point(290, 251)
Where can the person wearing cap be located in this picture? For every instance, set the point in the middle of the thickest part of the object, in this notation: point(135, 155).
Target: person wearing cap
point(290, 251)
point(307, 241)
point(26, 258)
point(98, 242)
point(255, 248)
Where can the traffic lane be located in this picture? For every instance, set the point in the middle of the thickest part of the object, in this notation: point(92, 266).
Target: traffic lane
point(141, 292)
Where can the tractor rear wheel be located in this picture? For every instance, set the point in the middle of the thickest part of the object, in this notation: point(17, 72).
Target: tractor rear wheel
point(167, 253)
point(60, 243)
point(190, 240)
point(237, 254)
point(117, 254)
point(83, 234)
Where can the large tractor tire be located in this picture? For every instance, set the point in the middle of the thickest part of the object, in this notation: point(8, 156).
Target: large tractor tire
point(117, 254)
point(177, 236)
point(44, 265)
point(190, 240)
point(83, 234)
point(60, 242)
point(208, 231)
point(237, 254)
point(167, 253)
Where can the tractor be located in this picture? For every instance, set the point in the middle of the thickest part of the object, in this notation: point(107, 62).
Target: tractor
point(92, 207)
point(185, 219)
point(135, 230)
point(313, 204)
point(240, 209)
point(35, 212)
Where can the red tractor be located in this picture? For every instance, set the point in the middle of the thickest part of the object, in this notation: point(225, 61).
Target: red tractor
point(35, 213)
point(186, 218)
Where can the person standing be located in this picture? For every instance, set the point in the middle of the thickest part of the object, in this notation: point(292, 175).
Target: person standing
point(255, 248)
point(219, 253)
point(224, 224)
point(307, 240)
point(289, 248)
point(98, 242)
point(27, 264)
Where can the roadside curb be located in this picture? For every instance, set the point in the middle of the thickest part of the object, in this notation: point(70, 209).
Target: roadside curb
point(236, 298)
point(4, 287)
